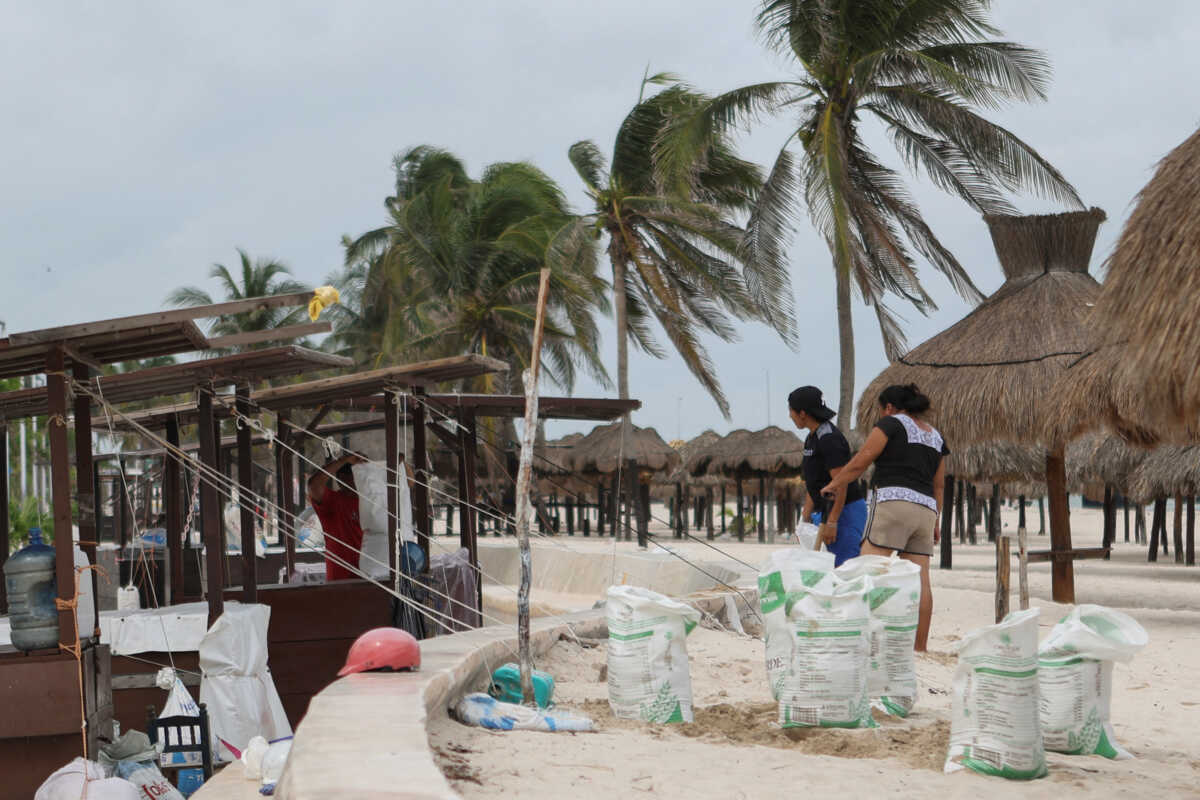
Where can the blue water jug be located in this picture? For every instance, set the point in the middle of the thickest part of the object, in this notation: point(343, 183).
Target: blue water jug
point(29, 577)
point(506, 686)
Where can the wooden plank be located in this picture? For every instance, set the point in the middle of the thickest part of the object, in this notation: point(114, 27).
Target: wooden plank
point(1067, 556)
point(270, 335)
point(121, 324)
point(1003, 575)
point(148, 681)
point(391, 440)
point(246, 490)
point(1023, 566)
point(40, 696)
point(210, 510)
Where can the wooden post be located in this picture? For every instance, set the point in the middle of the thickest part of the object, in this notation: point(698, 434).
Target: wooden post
point(60, 490)
point(420, 469)
point(1023, 566)
point(1139, 524)
point(470, 517)
point(122, 505)
point(4, 495)
point(722, 506)
point(960, 512)
point(1125, 508)
point(245, 465)
point(947, 522)
point(1190, 555)
point(85, 492)
point(1178, 528)
point(643, 522)
point(1003, 575)
point(760, 519)
point(1062, 567)
point(972, 511)
point(1041, 516)
point(614, 508)
point(524, 509)
point(772, 504)
point(631, 496)
point(1020, 511)
point(284, 495)
point(391, 458)
point(210, 509)
point(741, 525)
point(1156, 522)
point(708, 517)
point(1110, 519)
point(172, 502)
point(994, 514)
point(677, 516)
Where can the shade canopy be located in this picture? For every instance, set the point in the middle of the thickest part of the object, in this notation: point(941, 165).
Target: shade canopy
point(601, 451)
point(990, 375)
point(743, 453)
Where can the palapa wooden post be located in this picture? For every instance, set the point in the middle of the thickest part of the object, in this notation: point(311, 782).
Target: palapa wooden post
point(960, 512)
point(972, 511)
point(741, 525)
point(760, 518)
point(947, 522)
point(1003, 575)
point(1023, 566)
point(772, 505)
point(1125, 508)
point(172, 502)
point(993, 519)
point(643, 517)
point(1062, 569)
point(722, 506)
point(631, 496)
point(524, 507)
point(245, 487)
point(1041, 516)
point(210, 509)
point(1190, 556)
point(1020, 511)
point(1110, 519)
point(1178, 528)
point(1155, 524)
point(708, 516)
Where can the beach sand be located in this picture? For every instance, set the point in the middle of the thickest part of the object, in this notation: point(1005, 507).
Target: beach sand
point(733, 749)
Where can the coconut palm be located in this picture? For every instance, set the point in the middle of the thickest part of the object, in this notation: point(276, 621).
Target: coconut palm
point(922, 69)
point(258, 278)
point(677, 254)
point(456, 269)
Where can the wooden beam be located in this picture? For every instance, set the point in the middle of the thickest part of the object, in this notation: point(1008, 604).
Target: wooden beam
point(287, 332)
point(60, 489)
point(174, 506)
point(210, 510)
point(420, 468)
point(67, 332)
point(245, 491)
point(1066, 556)
point(4, 496)
point(284, 463)
point(391, 439)
point(85, 496)
point(1062, 571)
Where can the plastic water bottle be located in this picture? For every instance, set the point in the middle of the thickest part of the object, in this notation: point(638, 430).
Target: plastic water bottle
point(29, 577)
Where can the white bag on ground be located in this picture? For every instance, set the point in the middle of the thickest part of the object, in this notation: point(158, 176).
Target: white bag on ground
point(994, 728)
point(237, 687)
point(147, 780)
point(793, 569)
point(826, 681)
point(67, 783)
point(895, 604)
point(648, 671)
point(485, 711)
point(370, 481)
point(179, 704)
point(1075, 679)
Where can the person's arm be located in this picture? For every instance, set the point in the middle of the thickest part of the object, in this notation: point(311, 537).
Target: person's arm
point(863, 459)
point(807, 509)
point(829, 526)
point(939, 487)
point(318, 482)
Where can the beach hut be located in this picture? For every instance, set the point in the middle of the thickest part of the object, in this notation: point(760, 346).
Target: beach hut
point(990, 375)
point(767, 454)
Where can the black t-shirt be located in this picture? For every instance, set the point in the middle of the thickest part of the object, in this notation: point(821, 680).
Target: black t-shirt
point(825, 449)
point(911, 456)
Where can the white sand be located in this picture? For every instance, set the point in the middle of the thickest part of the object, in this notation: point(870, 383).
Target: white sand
point(732, 751)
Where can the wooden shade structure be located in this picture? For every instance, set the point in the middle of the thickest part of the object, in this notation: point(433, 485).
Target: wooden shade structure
point(991, 374)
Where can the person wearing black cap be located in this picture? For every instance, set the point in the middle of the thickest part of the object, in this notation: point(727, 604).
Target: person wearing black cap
point(826, 451)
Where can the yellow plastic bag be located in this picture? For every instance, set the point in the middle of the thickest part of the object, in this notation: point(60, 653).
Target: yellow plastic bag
point(323, 297)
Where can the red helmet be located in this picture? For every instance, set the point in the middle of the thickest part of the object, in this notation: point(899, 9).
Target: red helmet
point(382, 648)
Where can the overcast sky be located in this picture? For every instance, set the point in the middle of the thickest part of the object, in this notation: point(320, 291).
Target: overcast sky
point(143, 142)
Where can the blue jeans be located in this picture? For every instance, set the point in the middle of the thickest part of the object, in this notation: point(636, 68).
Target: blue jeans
point(851, 525)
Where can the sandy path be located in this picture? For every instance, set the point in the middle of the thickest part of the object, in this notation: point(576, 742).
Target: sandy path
point(733, 750)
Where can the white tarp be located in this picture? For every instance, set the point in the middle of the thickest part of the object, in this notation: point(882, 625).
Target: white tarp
point(237, 686)
point(177, 628)
point(370, 481)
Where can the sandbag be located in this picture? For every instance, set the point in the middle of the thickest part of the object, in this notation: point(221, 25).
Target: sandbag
point(994, 727)
point(826, 681)
point(147, 780)
point(485, 711)
point(895, 603)
point(791, 569)
point(1075, 679)
point(67, 783)
point(648, 671)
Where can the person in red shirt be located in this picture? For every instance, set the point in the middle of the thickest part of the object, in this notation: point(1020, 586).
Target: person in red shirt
point(336, 505)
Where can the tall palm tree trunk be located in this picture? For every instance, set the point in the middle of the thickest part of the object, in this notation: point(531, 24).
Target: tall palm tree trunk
point(846, 349)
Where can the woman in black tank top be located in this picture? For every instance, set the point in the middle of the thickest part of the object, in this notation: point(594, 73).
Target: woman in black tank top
point(908, 455)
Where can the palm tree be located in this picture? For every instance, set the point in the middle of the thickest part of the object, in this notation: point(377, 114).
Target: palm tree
point(921, 69)
point(258, 278)
point(456, 269)
point(673, 244)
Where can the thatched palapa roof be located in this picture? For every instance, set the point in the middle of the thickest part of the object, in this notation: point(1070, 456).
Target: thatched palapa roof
point(989, 375)
point(686, 451)
point(600, 451)
point(770, 451)
point(1166, 471)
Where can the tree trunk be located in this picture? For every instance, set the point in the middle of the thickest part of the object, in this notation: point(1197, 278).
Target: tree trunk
point(619, 305)
point(846, 348)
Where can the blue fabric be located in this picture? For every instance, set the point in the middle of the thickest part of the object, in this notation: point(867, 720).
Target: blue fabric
point(412, 559)
point(851, 525)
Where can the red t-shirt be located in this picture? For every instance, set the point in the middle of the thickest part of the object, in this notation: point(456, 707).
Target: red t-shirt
point(338, 512)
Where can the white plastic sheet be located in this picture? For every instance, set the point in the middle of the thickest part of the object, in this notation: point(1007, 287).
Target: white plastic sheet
point(370, 481)
point(67, 783)
point(237, 686)
point(155, 630)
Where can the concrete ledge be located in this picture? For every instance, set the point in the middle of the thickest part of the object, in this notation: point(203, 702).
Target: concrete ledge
point(364, 735)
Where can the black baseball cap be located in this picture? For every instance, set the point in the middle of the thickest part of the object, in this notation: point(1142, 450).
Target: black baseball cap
point(808, 399)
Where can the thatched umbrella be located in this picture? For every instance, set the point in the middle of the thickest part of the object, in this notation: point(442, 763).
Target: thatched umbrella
point(677, 485)
point(990, 375)
point(1147, 309)
point(600, 451)
point(766, 454)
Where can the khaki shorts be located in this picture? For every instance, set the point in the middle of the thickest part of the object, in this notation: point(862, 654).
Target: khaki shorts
point(903, 526)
